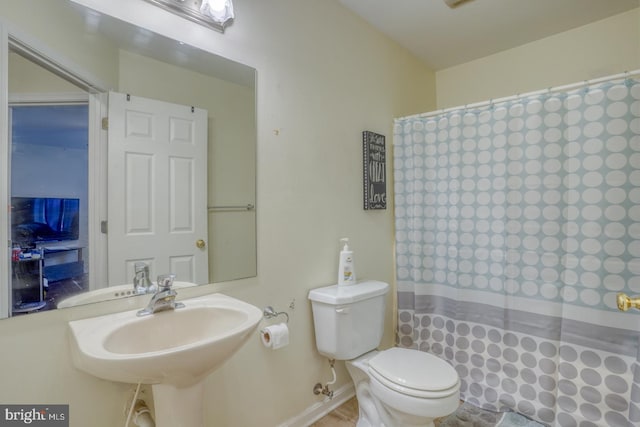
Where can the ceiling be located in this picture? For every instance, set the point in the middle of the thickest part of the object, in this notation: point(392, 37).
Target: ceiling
point(444, 37)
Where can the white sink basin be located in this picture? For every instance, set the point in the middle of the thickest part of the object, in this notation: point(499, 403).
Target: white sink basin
point(177, 347)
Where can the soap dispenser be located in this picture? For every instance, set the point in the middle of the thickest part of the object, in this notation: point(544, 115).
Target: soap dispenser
point(346, 271)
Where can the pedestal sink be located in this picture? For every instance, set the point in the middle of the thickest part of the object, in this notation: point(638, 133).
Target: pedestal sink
point(171, 350)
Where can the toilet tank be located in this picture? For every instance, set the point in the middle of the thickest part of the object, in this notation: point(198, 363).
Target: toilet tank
point(348, 319)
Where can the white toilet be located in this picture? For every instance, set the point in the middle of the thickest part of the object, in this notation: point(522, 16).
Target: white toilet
point(395, 387)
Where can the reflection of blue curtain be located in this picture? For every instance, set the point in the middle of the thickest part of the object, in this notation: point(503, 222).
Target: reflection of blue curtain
point(516, 225)
point(54, 213)
point(67, 214)
point(39, 211)
point(58, 214)
point(48, 211)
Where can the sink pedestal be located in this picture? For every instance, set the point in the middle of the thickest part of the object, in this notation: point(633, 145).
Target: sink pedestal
point(178, 406)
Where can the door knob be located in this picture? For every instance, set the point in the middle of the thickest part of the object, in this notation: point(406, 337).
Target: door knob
point(200, 244)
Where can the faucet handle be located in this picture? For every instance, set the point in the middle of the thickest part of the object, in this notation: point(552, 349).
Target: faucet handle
point(165, 281)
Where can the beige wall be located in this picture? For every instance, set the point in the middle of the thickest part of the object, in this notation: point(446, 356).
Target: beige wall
point(26, 77)
point(606, 47)
point(324, 76)
point(32, 20)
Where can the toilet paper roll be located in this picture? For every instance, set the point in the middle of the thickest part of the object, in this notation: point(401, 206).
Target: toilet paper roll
point(275, 336)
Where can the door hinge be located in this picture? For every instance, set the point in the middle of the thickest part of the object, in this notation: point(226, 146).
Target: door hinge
point(105, 123)
point(104, 227)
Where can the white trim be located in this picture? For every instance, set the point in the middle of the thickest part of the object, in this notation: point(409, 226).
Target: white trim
point(97, 197)
point(493, 102)
point(33, 98)
point(318, 410)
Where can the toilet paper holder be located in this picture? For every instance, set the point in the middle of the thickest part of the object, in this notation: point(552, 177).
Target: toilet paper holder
point(269, 313)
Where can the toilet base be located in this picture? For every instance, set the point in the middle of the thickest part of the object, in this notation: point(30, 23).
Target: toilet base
point(362, 422)
point(382, 407)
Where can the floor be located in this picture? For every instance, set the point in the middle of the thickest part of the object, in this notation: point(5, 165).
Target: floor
point(345, 415)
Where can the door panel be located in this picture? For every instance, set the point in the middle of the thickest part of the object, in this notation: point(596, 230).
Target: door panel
point(139, 193)
point(183, 266)
point(181, 197)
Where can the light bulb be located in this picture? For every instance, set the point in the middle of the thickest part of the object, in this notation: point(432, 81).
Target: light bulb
point(217, 5)
point(218, 10)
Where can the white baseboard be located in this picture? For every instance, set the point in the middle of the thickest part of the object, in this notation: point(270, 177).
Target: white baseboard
point(318, 410)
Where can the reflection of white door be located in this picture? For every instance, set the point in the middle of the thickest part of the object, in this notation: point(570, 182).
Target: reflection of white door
point(157, 196)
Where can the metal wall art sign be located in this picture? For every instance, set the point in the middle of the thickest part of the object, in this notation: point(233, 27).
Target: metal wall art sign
point(375, 171)
point(34, 415)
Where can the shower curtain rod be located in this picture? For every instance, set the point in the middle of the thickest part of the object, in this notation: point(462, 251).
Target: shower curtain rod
point(490, 102)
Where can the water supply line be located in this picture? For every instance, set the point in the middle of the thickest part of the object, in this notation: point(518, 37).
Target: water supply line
point(333, 371)
point(318, 388)
point(133, 401)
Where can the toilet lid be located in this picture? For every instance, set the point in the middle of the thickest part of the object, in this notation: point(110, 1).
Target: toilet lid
point(414, 370)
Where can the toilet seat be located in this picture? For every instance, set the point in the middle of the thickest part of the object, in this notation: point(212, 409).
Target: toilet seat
point(414, 373)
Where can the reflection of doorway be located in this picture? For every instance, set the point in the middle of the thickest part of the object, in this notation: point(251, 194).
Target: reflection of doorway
point(37, 79)
point(49, 198)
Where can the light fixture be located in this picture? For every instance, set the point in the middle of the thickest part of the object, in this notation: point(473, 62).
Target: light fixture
point(217, 14)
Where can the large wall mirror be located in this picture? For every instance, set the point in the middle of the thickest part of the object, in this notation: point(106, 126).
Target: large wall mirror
point(67, 67)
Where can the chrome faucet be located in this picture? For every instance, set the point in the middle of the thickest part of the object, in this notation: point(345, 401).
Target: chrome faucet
point(141, 282)
point(164, 298)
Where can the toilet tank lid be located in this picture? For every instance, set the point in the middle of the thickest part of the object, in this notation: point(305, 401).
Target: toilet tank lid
point(345, 294)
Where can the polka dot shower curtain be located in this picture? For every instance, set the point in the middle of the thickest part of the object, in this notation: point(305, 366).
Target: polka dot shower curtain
point(516, 225)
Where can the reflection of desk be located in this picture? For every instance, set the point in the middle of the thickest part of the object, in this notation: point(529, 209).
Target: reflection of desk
point(25, 273)
point(51, 262)
point(63, 269)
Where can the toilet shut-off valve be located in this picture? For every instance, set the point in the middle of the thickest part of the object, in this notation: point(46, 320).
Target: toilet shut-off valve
point(319, 389)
